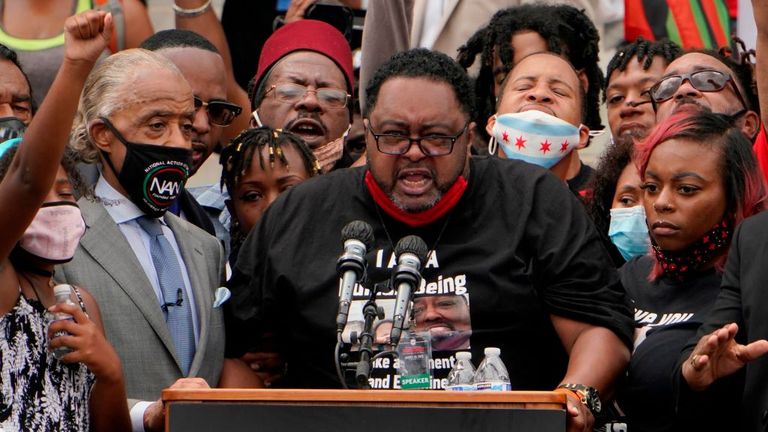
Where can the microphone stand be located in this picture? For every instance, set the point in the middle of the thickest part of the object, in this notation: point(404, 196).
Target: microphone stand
point(363, 366)
point(370, 312)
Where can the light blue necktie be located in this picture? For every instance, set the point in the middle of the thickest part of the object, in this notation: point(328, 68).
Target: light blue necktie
point(176, 307)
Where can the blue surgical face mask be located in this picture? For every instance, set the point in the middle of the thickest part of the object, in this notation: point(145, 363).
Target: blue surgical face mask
point(629, 232)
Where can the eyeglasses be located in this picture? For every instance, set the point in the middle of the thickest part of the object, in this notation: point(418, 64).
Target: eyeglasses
point(220, 113)
point(326, 96)
point(431, 145)
point(705, 81)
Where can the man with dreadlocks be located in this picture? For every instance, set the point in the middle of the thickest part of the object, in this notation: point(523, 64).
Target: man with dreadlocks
point(539, 116)
point(517, 32)
point(721, 82)
point(631, 72)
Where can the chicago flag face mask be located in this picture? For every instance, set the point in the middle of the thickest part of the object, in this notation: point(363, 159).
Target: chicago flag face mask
point(534, 137)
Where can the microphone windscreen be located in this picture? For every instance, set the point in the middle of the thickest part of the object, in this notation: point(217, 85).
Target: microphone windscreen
point(358, 230)
point(412, 244)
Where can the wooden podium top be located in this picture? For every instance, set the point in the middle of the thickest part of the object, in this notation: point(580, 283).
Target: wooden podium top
point(524, 399)
point(239, 410)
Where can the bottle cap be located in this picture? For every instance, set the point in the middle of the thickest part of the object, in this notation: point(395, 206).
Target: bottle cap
point(464, 355)
point(492, 351)
point(62, 290)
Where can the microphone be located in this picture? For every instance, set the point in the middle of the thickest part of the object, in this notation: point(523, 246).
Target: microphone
point(357, 237)
point(411, 251)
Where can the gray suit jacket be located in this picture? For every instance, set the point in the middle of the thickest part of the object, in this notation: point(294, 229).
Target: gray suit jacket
point(105, 264)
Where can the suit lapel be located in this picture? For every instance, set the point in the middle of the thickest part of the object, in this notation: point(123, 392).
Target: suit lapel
point(195, 262)
point(449, 7)
point(105, 243)
point(417, 26)
point(417, 23)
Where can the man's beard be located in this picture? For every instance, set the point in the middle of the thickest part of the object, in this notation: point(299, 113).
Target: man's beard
point(416, 209)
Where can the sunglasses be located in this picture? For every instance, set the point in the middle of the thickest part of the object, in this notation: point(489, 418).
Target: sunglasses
point(704, 81)
point(220, 113)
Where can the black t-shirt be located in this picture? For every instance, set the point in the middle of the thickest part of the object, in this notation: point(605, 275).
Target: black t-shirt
point(667, 313)
point(579, 183)
point(516, 248)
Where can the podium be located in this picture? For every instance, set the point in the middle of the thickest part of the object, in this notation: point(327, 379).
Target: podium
point(270, 410)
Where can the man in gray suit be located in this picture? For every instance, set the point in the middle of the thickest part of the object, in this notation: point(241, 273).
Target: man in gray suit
point(153, 274)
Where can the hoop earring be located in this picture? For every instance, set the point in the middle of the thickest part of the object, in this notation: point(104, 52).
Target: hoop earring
point(492, 146)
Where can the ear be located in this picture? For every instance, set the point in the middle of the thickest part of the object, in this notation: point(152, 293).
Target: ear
point(582, 74)
point(470, 137)
point(583, 137)
point(100, 135)
point(751, 124)
point(490, 124)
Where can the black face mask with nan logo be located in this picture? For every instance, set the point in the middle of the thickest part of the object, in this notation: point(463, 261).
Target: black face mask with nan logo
point(153, 175)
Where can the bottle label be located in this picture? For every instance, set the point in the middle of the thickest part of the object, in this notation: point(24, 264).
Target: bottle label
point(63, 333)
point(494, 386)
point(461, 387)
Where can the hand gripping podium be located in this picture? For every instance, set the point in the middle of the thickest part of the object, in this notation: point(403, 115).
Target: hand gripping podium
point(270, 410)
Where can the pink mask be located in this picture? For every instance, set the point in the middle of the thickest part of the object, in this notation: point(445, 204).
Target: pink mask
point(55, 232)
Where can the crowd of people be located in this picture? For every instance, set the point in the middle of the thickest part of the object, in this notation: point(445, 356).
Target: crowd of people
point(633, 288)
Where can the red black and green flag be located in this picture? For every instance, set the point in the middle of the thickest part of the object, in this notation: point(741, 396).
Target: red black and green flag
point(689, 23)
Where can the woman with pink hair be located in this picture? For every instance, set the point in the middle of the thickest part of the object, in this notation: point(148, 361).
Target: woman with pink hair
point(700, 179)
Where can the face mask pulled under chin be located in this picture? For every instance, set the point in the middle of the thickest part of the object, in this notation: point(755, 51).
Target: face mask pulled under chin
point(54, 233)
point(153, 175)
point(328, 154)
point(10, 128)
point(628, 231)
point(534, 137)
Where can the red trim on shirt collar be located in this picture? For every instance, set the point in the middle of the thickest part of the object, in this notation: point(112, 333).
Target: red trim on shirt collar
point(446, 203)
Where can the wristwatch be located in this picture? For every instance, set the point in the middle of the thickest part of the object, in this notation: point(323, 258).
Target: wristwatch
point(587, 395)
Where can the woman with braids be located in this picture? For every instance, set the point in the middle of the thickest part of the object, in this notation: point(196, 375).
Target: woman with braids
point(700, 180)
point(257, 166)
point(631, 72)
point(616, 206)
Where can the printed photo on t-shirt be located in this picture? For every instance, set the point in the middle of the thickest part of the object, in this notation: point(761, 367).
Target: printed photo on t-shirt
point(440, 309)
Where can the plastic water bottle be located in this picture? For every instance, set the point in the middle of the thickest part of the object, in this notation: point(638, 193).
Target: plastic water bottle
point(62, 293)
point(492, 374)
point(461, 377)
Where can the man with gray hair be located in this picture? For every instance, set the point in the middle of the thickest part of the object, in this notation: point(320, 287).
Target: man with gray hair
point(153, 274)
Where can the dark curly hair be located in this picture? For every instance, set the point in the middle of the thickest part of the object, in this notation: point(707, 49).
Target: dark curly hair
point(603, 183)
point(643, 51)
point(423, 63)
point(177, 38)
point(568, 32)
point(236, 159)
